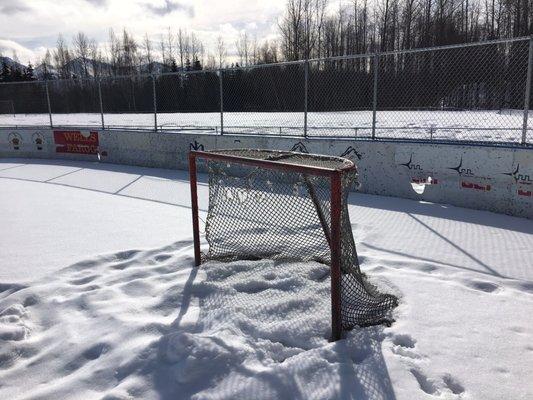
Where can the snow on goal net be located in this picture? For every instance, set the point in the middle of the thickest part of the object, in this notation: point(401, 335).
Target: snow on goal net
point(290, 206)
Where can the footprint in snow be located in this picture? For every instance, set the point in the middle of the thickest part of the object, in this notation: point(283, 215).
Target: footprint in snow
point(318, 274)
point(426, 384)
point(162, 257)
point(15, 309)
point(83, 281)
point(527, 287)
point(126, 255)
point(403, 346)
point(484, 286)
point(404, 341)
point(95, 351)
point(9, 288)
point(12, 327)
point(31, 300)
point(453, 384)
point(517, 329)
point(427, 268)
point(434, 387)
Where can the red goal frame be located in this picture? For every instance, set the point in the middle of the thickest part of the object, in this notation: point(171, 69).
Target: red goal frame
point(335, 176)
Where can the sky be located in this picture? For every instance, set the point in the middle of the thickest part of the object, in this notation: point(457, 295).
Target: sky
point(30, 26)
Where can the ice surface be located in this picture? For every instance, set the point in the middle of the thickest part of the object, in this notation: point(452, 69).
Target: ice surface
point(99, 299)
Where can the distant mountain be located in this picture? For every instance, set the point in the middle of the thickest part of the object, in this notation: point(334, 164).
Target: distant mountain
point(11, 63)
point(77, 68)
point(156, 68)
point(40, 70)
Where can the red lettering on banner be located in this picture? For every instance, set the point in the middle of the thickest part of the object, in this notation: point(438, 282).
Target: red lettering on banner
point(475, 186)
point(526, 193)
point(76, 142)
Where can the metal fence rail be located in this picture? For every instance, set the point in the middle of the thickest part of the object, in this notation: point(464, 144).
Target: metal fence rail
point(477, 92)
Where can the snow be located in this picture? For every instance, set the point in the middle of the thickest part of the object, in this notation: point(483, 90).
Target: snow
point(99, 299)
point(44, 208)
point(491, 125)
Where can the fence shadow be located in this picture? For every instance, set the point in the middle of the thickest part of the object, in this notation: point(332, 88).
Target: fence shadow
point(136, 172)
point(443, 211)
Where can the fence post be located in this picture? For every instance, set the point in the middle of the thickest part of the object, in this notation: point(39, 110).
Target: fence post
point(49, 106)
point(220, 73)
point(375, 96)
point(155, 102)
point(528, 91)
point(306, 88)
point(101, 103)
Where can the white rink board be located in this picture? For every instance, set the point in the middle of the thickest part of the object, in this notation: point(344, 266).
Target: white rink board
point(498, 179)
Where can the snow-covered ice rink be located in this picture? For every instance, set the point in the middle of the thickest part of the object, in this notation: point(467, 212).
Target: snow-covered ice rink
point(489, 125)
point(99, 299)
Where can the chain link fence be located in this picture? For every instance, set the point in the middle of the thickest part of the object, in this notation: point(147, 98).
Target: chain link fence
point(475, 93)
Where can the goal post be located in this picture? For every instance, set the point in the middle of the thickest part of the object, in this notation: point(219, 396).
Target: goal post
point(291, 206)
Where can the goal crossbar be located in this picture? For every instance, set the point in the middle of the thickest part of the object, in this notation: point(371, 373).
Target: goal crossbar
point(280, 164)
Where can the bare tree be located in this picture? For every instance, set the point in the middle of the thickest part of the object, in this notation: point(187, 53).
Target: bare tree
point(129, 54)
point(299, 28)
point(197, 48)
point(170, 47)
point(148, 56)
point(62, 58)
point(46, 65)
point(114, 52)
point(183, 47)
point(211, 62)
point(163, 49)
point(222, 52)
point(243, 48)
point(96, 59)
point(268, 52)
point(81, 51)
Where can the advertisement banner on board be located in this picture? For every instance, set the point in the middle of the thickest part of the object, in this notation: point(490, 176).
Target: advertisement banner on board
point(79, 142)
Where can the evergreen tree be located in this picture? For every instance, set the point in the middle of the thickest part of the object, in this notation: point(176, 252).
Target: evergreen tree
point(45, 66)
point(5, 73)
point(173, 66)
point(17, 75)
point(29, 73)
point(197, 66)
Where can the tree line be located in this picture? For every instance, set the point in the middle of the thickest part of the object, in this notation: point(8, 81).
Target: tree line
point(484, 77)
point(16, 72)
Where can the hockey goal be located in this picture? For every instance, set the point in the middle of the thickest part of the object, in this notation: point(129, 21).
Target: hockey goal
point(291, 206)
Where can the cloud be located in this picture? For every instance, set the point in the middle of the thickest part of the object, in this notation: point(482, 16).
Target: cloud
point(31, 32)
point(10, 8)
point(169, 7)
point(8, 47)
point(97, 2)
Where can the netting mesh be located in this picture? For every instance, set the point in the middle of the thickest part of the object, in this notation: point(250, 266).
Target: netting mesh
point(257, 213)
